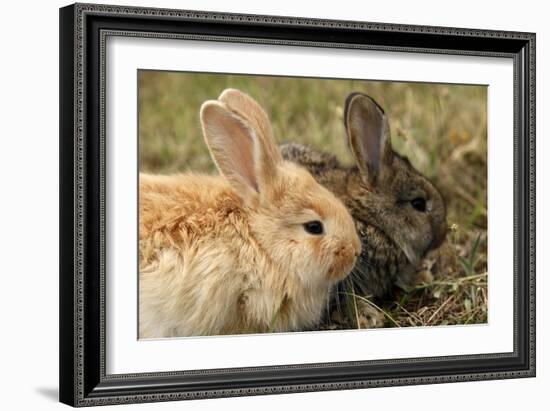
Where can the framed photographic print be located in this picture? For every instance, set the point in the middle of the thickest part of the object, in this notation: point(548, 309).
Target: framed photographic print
point(261, 204)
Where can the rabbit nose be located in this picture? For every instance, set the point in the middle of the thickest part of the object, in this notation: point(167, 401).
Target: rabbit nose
point(348, 249)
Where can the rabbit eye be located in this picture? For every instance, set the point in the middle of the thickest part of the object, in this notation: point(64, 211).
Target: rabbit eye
point(419, 204)
point(314, 227)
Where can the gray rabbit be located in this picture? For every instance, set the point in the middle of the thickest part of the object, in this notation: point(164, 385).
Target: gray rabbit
point(399, 214)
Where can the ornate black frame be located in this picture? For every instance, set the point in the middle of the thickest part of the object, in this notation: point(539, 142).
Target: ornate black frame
point(83, 30)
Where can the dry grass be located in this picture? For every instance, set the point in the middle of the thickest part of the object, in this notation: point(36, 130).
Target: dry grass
point(441, 128)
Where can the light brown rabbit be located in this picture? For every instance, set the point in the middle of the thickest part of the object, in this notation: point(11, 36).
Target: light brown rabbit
point(256, 249)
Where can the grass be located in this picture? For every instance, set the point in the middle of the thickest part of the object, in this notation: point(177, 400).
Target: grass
point(442, 128)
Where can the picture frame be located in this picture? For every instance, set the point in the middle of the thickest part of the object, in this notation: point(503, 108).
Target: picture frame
point(84, 30)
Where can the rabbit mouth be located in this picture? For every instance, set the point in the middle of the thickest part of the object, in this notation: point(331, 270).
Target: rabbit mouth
point(342, 266)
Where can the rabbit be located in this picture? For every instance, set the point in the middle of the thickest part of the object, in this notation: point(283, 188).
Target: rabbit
point(255, 249)
point(399, 214)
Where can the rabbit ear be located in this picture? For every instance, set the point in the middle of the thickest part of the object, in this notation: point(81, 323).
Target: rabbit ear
point(255, 115)
point(236, 149)
point(369, 135)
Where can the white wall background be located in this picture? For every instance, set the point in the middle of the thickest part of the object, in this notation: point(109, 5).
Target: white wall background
point(29, 203)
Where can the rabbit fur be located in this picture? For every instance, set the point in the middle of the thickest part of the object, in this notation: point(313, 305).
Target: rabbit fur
point(399, 214)
point(230, 254)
